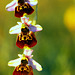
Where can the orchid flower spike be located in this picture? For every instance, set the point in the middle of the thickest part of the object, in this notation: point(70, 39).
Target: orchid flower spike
point(24, 22)
point(11, 6)
point(31, 62)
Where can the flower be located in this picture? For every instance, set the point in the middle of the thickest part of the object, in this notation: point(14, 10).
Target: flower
point(11, 6)
point(23, 68)
point(26, 56)
point(25, 33)
point(21, 7)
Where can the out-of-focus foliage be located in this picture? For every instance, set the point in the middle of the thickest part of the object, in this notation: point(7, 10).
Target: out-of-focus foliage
point(55, 50)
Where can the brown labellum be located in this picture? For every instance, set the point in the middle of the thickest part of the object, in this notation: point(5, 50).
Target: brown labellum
point(23, 72)
point(20, 10)
point(28, 39)
point(23, 69)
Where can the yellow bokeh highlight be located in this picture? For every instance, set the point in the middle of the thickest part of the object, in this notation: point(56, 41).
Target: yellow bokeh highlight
point(69, 18)
point(67, 73)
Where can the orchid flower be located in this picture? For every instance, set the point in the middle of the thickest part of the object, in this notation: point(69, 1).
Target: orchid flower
point(25, 21)
point(11, 6)
point(27, 54)
point(22, 67)
point(25, 30)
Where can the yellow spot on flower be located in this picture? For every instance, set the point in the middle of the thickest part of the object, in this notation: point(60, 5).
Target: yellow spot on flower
point(24, 58)
point(27, 48)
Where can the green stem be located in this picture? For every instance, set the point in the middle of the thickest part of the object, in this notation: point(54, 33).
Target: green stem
point(36, 13)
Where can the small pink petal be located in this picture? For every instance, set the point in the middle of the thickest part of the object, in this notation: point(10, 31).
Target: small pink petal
point(11, 6)
point(35, 28)
point(35, 65)
point(28, 52)
point(25, 21)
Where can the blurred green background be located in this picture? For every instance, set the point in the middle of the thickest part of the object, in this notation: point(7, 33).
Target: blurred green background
point(55, 49)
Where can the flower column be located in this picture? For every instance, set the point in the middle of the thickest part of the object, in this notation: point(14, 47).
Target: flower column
point(25, 37)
